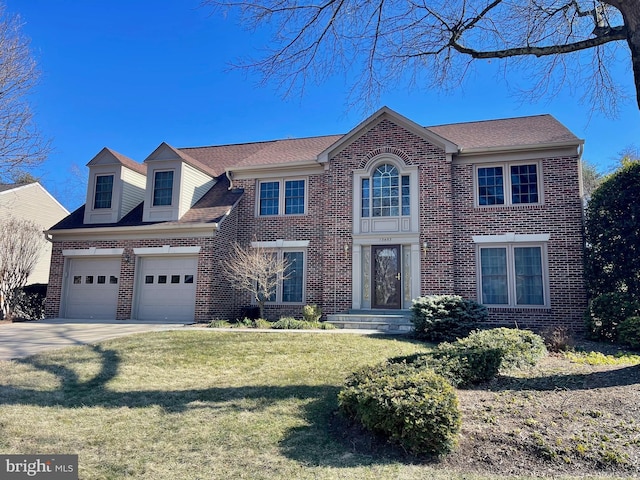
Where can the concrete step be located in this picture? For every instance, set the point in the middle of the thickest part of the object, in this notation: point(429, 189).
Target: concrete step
point(392, 321)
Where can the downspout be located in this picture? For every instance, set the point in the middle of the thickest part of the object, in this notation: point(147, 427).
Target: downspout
point(229, 175)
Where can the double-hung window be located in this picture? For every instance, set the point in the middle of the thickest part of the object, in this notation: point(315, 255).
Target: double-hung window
point(104, 191)
point(163, 188)
point(281, 197)
point(508, 184)
point(512, 275)
point(290, 285)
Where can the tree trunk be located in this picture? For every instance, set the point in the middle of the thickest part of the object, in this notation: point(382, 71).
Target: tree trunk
point(630, 10)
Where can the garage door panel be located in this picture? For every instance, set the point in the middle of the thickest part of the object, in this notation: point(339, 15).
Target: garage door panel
point(167, 288)
point(92, 288)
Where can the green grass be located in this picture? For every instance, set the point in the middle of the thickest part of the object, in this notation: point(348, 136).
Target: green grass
point(204, 405)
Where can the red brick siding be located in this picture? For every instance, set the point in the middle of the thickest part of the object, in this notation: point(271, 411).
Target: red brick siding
point(447, 222)
point(204, 290)
point(560, 216)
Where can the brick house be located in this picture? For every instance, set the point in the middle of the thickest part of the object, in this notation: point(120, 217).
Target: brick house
point(368, 221)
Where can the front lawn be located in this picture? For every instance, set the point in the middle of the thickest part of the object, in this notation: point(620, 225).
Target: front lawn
point(224, 405)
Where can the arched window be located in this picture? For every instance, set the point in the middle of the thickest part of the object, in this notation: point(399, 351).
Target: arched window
point(386, 193)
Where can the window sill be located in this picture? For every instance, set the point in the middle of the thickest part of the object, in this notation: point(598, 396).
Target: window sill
point(518, 309)
point(521, 206)
point(282, 215)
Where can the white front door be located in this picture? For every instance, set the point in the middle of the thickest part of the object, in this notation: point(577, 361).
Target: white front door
point(92, 288)
point(166, 288)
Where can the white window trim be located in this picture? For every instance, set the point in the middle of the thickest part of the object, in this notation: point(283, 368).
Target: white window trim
point(93, 252)
point(281, 196)
point(511, 275)
point(506, 171)
point(173, 188)
point(166, 250)
point(368, 171)
point(280, 251)
point(95, 191)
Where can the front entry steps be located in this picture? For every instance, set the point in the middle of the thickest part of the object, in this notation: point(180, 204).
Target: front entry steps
point(386, 321)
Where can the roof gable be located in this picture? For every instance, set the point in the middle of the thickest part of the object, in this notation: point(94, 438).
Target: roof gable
point(382, 114)
point(166, 152)
point(106, 156)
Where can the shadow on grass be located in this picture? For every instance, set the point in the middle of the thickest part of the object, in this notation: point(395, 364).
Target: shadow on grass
point(619, 377)
point(326, 439)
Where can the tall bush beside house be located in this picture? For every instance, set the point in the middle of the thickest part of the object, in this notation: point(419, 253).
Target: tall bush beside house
point(612, 234)
point(439, 318)
point(629, 332)
point(607, 311)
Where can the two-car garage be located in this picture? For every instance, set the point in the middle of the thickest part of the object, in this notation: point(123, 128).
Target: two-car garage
point(164, 284)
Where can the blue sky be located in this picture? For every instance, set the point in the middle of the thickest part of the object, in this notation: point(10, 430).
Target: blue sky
point(131, 74)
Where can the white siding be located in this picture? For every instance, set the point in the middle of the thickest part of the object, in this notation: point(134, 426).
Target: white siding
point(33, 202)
point(133, 185)
point(193, 186)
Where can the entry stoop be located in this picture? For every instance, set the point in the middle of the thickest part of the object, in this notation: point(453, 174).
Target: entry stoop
point(386, 321)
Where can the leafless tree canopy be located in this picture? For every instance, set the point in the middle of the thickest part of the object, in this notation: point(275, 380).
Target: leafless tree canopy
point(21, 242)
point(436, 40)
point(21, 145)
point(255, 270)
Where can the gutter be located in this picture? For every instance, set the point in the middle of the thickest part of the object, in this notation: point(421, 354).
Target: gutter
point(538, 146)
point(115, 230)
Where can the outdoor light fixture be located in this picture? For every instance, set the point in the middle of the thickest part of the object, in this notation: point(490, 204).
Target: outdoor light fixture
point(424, 248)
point(346, 248)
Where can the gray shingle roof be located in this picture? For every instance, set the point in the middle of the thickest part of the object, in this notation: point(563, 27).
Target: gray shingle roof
point(211, 208)
point(509, 132)
point(540, 130)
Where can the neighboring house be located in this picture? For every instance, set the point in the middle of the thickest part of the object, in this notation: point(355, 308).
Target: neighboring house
point(30, 201)
point(368, 221)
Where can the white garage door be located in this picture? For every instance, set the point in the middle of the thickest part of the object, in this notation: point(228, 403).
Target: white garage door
point(167, 288)
point(92, 288)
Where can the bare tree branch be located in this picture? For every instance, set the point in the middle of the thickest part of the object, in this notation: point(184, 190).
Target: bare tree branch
point(21, 242)
point(257, 271)
point(21, 144)
point(435, 42)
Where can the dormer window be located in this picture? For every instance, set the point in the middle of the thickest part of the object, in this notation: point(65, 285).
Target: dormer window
point(104, 191)
point(163, 188)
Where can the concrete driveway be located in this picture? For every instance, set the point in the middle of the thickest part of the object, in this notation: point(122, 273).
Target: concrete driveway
point(22, 339)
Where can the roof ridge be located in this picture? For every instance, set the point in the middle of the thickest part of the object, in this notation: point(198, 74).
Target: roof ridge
point(490, 120)
point(262, 141)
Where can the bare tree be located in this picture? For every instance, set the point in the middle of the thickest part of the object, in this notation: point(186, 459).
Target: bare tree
point(21, 242)
point(255, 270)
point(21, 144)
point(591, 179)
point(436, 41)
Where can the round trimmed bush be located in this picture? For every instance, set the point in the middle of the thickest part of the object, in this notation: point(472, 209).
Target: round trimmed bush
point(444, 318)
point(518, 348)
point(629, 332)
point(416, 408)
